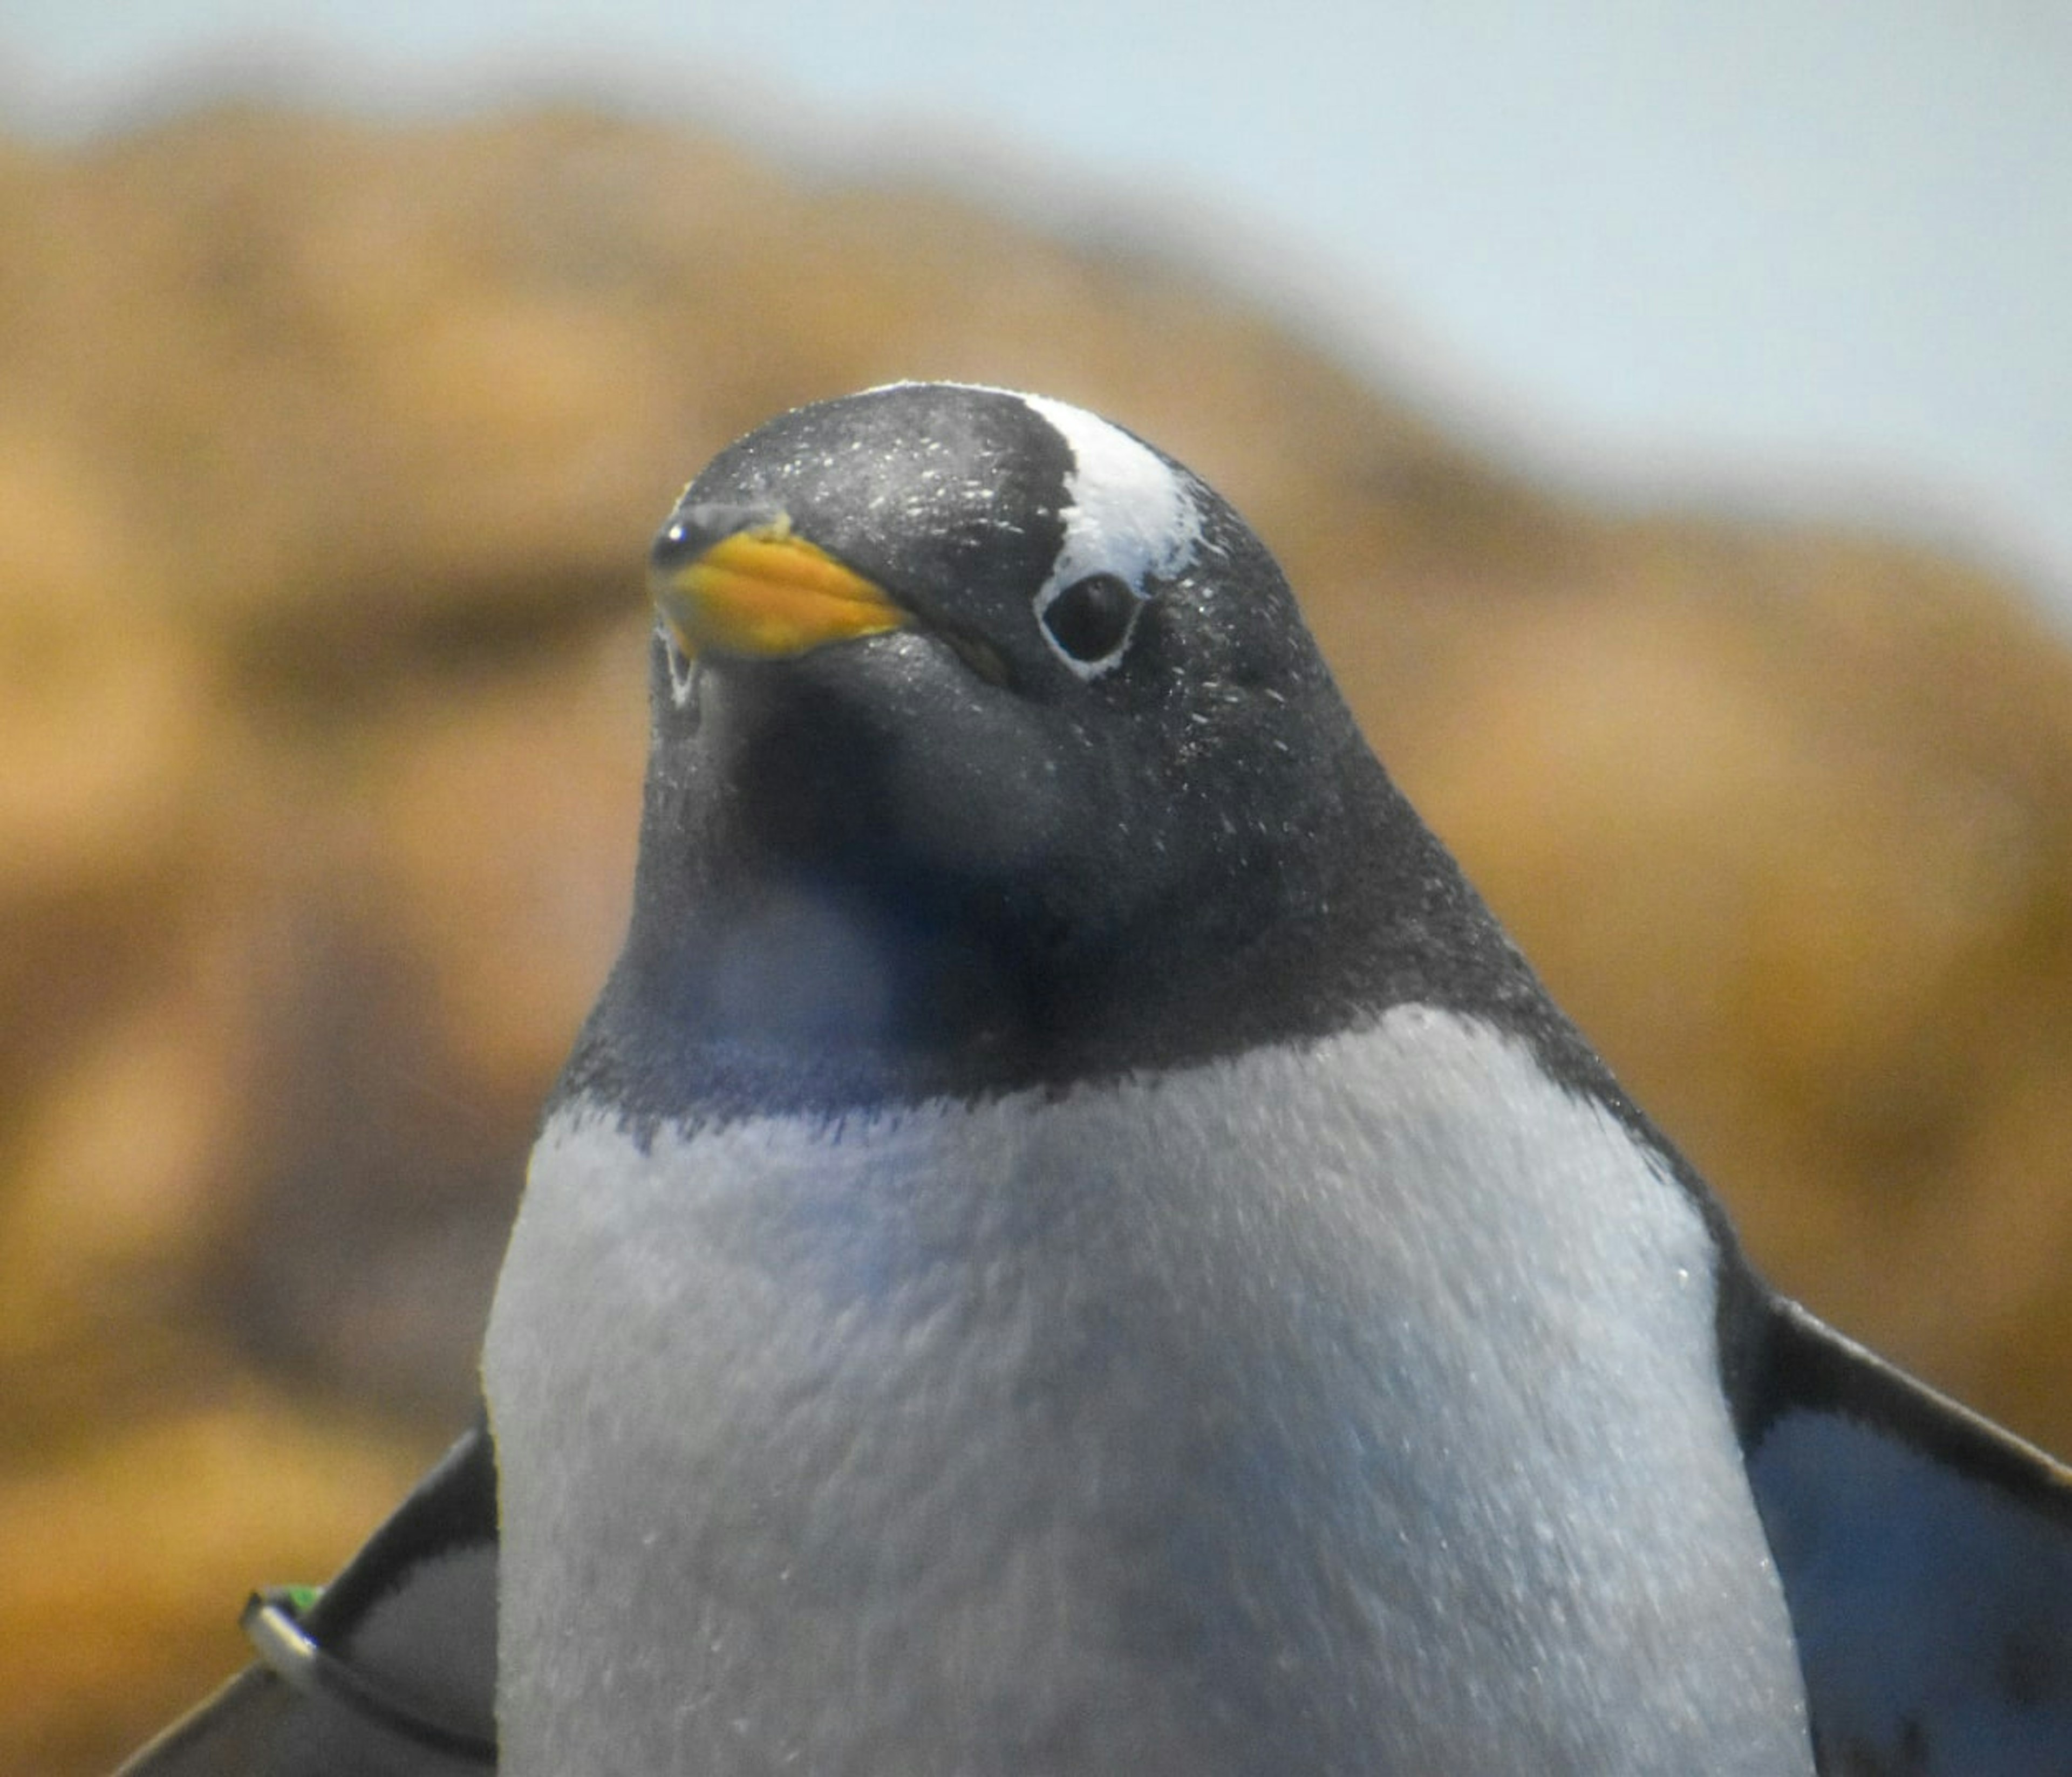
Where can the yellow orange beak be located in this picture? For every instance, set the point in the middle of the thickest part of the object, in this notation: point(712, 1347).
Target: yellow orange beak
point(767, 594)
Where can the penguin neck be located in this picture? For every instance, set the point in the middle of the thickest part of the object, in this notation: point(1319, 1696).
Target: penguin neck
point(749, 983)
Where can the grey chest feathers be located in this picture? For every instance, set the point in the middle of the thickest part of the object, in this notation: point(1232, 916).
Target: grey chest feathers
point(1289, 1414)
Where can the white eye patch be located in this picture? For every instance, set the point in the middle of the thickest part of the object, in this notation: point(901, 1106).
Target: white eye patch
point(1129, 513)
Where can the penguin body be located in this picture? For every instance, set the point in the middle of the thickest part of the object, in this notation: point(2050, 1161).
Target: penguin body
point(1053, 1434)
point(1072, 1242)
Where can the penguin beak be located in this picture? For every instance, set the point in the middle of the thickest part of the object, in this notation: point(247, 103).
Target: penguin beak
point(762, 592)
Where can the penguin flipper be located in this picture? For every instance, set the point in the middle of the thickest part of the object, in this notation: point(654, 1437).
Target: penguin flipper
point(390, 1670)
point(1926, 1560)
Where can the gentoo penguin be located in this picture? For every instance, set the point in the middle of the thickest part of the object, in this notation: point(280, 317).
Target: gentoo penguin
point(1072, 1243)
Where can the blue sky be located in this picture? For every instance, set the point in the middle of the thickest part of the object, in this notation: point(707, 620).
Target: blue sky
point(1814, 252)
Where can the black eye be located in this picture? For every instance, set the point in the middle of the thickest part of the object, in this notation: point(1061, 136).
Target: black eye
point(1090, 619)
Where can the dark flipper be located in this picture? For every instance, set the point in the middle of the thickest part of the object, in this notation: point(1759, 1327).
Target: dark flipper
point(1926, 1557)
point(391, 1671)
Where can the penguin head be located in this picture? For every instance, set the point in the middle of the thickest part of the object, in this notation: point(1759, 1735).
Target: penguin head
point(989, 738)
point(953, 637)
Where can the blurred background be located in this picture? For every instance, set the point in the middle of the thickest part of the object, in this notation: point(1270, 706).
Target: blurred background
point(1666, 414)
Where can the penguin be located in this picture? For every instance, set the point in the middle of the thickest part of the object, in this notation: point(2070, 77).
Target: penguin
point(1072, 1242)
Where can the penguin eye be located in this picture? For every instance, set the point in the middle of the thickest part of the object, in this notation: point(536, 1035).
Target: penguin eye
point(1088, 621)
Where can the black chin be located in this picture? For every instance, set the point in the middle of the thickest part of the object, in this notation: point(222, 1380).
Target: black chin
point(806, 772)
point(886, 765)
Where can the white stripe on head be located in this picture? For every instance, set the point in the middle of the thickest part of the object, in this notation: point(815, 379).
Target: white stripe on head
point(1128, 512)
point(1131, 513)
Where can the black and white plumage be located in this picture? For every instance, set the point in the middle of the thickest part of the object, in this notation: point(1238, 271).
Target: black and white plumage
point(1071, 1241)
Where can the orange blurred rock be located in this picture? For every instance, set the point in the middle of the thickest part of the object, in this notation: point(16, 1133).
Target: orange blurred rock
point(328, 452)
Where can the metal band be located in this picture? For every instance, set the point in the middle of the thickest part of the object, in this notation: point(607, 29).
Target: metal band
point(273, 1622)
